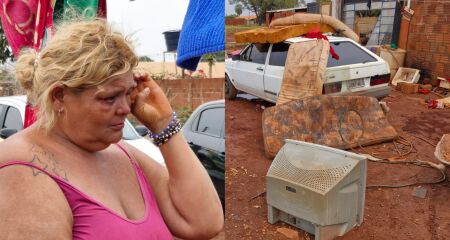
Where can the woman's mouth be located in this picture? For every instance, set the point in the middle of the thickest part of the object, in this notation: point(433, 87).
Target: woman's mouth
point(118, 127)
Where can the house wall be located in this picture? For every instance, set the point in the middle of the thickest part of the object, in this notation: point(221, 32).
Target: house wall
point(428, 46)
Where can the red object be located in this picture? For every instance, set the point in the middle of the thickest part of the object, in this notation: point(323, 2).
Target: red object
point(318, 35)
point(424, 91)
point(432, 104)
point(101, 12)
point(379, 79)
point(30, 115)
point(24, 22)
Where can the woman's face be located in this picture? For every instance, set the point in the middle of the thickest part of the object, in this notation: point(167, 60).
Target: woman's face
point(94, 118)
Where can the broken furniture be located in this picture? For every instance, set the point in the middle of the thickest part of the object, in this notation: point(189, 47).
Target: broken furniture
point(336, 121)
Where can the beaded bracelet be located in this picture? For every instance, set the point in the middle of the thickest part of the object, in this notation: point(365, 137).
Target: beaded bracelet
point(171, 129)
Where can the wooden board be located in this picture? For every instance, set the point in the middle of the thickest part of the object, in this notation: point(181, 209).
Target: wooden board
point(335, 121)
point(279, 33)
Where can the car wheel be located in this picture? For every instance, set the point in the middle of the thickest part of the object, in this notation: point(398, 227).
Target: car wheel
point(230, 90)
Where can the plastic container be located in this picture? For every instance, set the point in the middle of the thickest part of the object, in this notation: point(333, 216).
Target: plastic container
point(408, 75)
point(394, 57)
point(171, 38)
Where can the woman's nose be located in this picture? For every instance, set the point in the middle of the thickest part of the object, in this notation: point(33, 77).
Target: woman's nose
point(124, 107)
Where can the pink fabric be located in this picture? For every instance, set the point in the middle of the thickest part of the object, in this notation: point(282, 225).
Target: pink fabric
point(24, 22)
point(92, 220)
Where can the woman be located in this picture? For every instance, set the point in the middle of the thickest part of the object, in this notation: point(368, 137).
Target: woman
point(69, 175)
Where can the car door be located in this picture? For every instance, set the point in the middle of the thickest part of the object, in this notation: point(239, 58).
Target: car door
point(249, 70)
point(11, 118)
point(207, 129)
point(274, 70)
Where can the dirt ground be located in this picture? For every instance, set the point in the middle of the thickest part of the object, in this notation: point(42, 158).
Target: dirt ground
point(389, 213)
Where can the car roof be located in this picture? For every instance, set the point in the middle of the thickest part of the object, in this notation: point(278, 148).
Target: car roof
point(303, 39)
point(215, 102)
point(16, 99)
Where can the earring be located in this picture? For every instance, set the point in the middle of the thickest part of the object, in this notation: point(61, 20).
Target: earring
point(60, 111)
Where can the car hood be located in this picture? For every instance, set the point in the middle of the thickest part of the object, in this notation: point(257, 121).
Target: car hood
point(148, 148)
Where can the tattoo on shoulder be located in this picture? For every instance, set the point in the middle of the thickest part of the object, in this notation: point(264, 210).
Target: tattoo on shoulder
point(46, 160)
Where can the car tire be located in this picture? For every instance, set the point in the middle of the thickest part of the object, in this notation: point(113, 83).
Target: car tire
point(230, 90)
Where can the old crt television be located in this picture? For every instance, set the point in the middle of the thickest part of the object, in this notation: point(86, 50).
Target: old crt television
point(316, 188)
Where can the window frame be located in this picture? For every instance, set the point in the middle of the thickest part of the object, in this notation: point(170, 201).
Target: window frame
point(5, 114)
point(195, 123)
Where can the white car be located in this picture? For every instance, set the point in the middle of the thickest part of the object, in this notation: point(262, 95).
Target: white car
point(12, 115)
point(259, 68)
point(205, 133)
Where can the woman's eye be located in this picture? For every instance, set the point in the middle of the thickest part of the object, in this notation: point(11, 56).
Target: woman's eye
point(109, 99)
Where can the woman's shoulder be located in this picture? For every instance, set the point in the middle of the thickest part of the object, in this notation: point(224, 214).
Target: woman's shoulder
point(33, 201)
point(14, 148)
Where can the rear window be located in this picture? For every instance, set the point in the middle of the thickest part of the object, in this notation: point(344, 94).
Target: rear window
point(348, 52)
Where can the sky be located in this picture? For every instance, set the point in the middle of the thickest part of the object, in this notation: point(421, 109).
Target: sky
point(146, 21)
point(229, 9)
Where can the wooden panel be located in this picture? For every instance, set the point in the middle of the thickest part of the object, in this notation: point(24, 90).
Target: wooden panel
point(335, 121)
point(279, 33)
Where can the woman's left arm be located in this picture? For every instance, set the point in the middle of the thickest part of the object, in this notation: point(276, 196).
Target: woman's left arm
point(184, 191)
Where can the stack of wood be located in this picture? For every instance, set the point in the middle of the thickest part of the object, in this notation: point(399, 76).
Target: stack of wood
point(407, 88)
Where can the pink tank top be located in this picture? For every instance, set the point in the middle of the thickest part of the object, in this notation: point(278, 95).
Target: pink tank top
point(92, 220)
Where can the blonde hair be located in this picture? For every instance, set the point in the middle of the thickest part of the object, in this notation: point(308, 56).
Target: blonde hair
point(80, 54)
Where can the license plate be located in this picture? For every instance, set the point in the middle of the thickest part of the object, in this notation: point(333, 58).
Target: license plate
point(357, 83)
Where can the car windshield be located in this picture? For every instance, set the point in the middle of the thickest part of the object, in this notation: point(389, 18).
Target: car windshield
point(128, 132)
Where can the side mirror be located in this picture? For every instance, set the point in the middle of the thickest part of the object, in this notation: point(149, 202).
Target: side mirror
point(7, 132)
point(141, 130)
point(236, 57)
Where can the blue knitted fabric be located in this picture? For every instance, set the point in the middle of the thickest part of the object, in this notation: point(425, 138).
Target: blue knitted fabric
point(203, 32)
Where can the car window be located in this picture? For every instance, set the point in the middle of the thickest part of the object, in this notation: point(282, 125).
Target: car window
point(279, 54)
point(245, 56)
point(211, 122)
point(259, 53)
point(13, 119)
point(128, 132)
point(349, 53)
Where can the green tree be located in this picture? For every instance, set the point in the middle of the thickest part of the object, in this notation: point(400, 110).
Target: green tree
point(5, 50)
point(259, 7)
point(145, 59)
point(238, 9)
point(211, 59)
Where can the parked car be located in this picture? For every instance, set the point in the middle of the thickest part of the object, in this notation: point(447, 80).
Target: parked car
point(12, 115)
point(259, 68)
point(205, 133)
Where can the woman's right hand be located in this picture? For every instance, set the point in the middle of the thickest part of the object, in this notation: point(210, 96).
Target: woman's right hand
point(149, 103)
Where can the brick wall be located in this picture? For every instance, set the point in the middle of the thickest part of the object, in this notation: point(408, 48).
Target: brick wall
point(428, 46)
point(191, 93)
point(235, 21)
point(10, 88)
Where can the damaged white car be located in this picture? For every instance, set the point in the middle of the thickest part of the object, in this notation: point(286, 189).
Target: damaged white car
point(259, 68)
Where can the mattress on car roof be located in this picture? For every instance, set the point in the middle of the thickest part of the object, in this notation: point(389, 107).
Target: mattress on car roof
point(304, 70)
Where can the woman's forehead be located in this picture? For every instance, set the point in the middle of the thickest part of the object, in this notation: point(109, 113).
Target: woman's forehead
point(122, 81)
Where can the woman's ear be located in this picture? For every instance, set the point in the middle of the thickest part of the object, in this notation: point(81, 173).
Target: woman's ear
point(57, 94)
